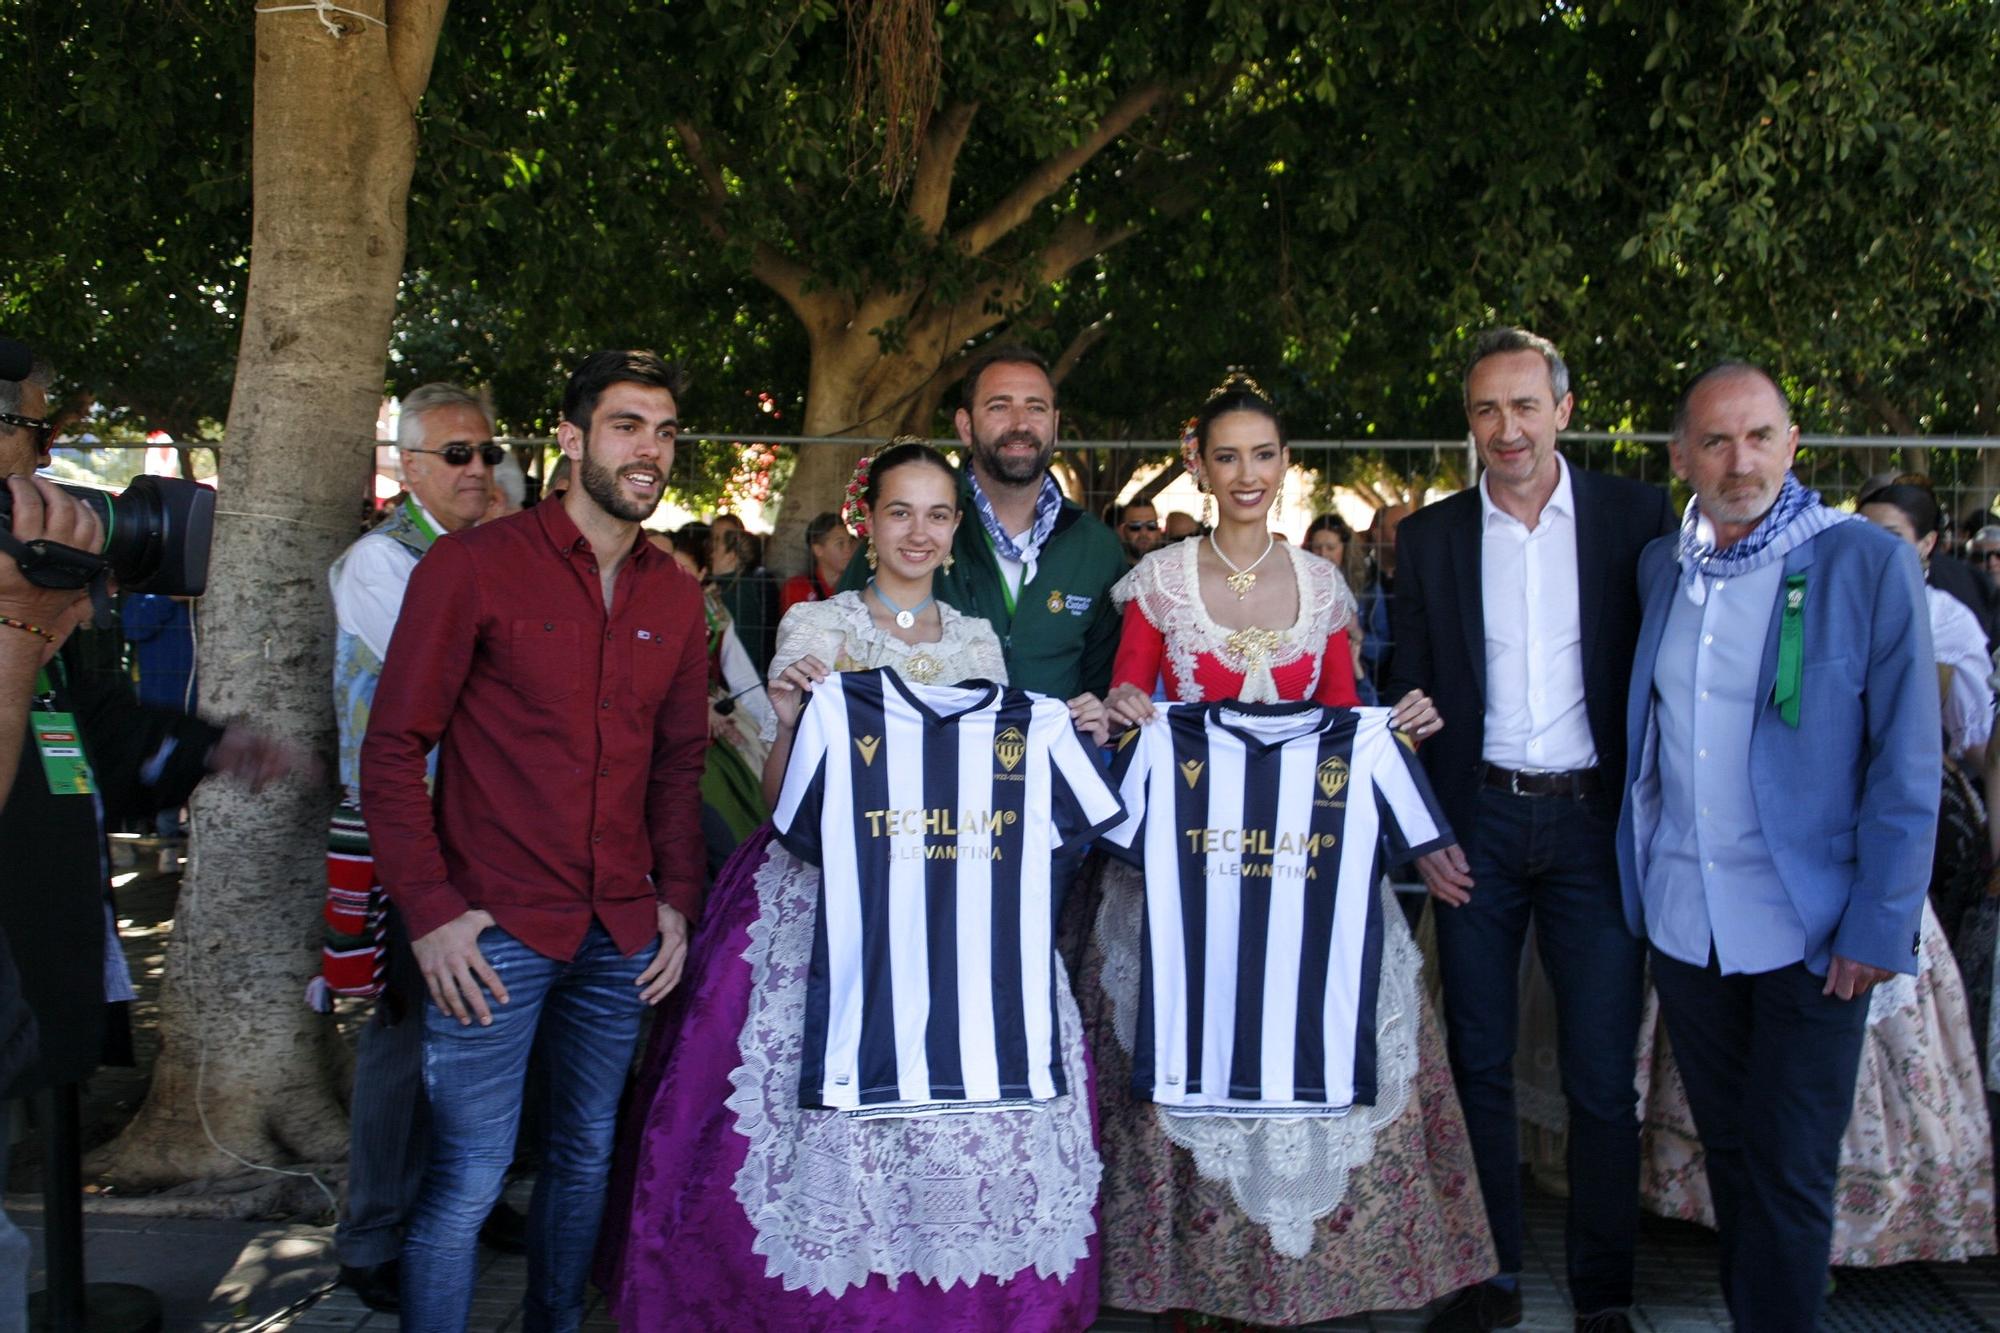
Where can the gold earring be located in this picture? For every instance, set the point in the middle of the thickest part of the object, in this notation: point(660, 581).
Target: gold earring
point(1278, 505)
point(869, 553)
point(947, 561)
point(1208, 509)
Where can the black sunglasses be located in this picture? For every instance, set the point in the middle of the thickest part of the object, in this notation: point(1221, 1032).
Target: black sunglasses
point(45, 430)
point(458, 455)
point(1142, 527)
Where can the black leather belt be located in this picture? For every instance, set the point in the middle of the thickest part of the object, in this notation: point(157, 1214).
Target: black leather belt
point(1575, 784)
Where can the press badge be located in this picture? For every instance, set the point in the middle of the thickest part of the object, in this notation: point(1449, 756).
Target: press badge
point(62, 754)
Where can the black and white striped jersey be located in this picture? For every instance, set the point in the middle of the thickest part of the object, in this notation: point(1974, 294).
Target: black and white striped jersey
point(933, 813)
point(1260, 828)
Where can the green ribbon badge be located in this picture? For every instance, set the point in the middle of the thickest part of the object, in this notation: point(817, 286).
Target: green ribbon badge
point(1791, 651)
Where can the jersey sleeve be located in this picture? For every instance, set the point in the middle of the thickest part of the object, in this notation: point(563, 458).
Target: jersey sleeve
point(802, 799)
point(1130, 768)
point(1083, 803)
point(1415, 824)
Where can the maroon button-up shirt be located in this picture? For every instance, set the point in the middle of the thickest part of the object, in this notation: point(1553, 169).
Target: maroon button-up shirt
point(570, 742)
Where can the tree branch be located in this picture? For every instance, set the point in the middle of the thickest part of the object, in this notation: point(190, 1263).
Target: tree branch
point(711, 177)
point(1049, 175)
point(937, 159)
point(1091, 334)
point(781, 273)
point(413, 39)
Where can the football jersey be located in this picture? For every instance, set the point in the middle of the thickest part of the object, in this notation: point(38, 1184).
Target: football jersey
point(1260, 828)
point(933, 813)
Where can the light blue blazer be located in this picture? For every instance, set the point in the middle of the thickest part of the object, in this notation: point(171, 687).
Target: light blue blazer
point(1847, 800)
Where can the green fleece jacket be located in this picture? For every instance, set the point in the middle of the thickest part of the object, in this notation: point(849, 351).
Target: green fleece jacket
point(1062, 631)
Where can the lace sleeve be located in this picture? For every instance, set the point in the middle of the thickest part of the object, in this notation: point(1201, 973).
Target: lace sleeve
point(809, 629)
point(983, 654)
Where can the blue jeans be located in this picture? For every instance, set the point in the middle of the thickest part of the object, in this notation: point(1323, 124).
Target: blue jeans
point(1553, 859)
point(1770, 1064)
point(585, 1012)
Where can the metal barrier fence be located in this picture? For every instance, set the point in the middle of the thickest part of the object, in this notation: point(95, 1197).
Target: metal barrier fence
point(1964, 470)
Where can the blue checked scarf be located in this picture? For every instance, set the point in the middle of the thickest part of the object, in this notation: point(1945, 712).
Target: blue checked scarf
point(1048, 504)
point(1795, 519)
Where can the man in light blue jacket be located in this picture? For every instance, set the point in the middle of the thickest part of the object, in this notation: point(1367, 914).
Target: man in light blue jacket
point(1781, 805)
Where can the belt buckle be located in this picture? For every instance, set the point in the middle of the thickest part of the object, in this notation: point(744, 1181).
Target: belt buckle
point(1514, 776)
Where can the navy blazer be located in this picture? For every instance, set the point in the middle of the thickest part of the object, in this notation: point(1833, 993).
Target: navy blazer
point(1848, 799)
point(1439, 620)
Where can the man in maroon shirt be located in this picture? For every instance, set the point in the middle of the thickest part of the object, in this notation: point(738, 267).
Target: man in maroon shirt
point(558, 664)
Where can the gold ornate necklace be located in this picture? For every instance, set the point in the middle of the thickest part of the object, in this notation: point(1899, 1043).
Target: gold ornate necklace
point(1242, 579)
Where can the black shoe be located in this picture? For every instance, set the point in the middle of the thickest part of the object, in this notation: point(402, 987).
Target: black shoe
point(1604, 1321)
point(1477, 1309)
point(505, 1229)
point(379, 1286)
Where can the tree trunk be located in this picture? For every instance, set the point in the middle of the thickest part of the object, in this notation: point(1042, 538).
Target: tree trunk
point(852, 388)
point(245, 1070)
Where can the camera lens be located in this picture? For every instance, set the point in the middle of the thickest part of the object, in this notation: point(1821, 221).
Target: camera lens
point(157, 532)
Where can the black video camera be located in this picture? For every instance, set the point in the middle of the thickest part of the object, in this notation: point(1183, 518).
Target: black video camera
point(157, 533)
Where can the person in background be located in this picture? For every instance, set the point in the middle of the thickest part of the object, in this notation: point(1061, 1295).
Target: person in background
point(1967, 582)
point(161, 632)
point(1179, 527)
point(557, 485)
point(445, 443)
point(747, 592)
point(1139, 529)
point(510, 489)
point(1983, 551)
point(1911, 511)
point(1329, 538)
point(1378, 591)
point(829, 545)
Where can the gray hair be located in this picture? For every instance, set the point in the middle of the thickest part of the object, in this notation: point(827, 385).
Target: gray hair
point(508, 477)
point(419, 402)
point(39, 374)
point(1500, 341)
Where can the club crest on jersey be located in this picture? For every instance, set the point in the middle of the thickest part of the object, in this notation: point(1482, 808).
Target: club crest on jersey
point(1131, 734)
point(1055, 603)
point(867, 745)
point(1191, 770)
point(1010, 747)
point(1333, 777)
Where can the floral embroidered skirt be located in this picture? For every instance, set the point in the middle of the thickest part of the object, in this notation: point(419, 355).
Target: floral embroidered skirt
point(1916, 1165)
point(731, 1207)
point(1277, 1221)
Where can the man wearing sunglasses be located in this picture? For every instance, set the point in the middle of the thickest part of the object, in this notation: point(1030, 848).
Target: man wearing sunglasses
point(446, 444)
point(1139, 529)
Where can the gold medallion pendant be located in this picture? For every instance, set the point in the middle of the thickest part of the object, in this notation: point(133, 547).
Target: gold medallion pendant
point(921, 668)
point(1242, 578)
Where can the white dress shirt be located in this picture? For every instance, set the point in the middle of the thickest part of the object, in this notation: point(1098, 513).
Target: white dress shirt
point(368, 584)
point(1535, 718)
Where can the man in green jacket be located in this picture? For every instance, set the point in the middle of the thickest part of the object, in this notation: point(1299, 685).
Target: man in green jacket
point(1028, 561)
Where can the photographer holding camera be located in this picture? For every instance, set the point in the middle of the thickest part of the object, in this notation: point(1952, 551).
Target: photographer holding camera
point(78, 749)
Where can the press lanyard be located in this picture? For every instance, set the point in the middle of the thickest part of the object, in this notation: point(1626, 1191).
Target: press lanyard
point(1791, 651)
point(58, 743)
point(1006, 592)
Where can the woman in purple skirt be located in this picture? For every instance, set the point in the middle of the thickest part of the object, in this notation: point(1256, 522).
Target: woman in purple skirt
point(734, 1207)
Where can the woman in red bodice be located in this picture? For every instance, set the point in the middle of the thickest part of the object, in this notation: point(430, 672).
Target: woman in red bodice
point(1239, 614)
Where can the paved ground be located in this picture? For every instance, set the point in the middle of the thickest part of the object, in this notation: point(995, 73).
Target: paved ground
point(234, 1277)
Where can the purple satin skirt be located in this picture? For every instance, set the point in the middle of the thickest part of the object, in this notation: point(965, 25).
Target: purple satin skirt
point(676, 1246)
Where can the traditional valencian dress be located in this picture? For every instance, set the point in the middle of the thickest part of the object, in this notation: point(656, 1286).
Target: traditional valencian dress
point(1272, 1220)
point(732, 1207)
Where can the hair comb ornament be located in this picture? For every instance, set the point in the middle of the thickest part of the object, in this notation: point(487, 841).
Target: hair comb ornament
point(1237, 378)
point(854, 509)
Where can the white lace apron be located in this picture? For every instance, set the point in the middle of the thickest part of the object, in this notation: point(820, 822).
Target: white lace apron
point(1285, 1172)
point(835, 1198)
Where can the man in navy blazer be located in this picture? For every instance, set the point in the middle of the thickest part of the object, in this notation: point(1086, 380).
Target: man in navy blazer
point(1516, 609)
point(1775, 845)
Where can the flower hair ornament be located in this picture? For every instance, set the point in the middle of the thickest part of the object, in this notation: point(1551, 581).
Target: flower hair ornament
point(854, 509)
